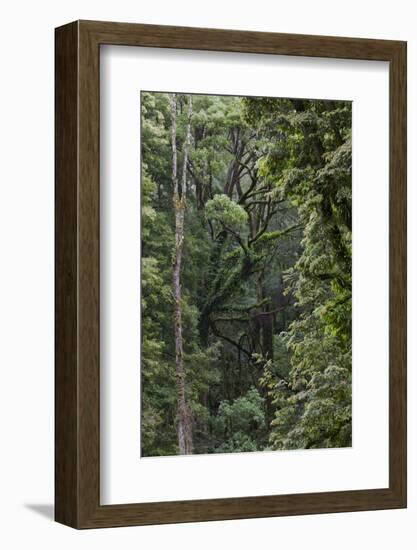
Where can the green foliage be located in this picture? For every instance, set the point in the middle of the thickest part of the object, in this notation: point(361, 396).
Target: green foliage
point(240, 426)
point(221, 208)
point(313, 171)
point(266, 274)
point(318, 416)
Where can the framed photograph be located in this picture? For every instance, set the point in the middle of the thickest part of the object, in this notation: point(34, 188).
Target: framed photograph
point(230, 274)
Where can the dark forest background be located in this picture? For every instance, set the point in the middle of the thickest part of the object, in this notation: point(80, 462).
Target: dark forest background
point(246, 274)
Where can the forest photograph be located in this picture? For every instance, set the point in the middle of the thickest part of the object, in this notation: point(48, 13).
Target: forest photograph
point(246, 274)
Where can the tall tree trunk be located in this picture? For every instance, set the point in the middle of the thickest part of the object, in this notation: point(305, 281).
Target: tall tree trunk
point(184, 425)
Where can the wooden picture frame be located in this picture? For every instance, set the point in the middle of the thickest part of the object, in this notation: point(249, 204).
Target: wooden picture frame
point(77, 382)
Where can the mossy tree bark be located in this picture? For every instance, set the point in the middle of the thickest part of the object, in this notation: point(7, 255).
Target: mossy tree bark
point(184, 421)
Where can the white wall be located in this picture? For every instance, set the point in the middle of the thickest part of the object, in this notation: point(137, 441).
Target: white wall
point(26, 272)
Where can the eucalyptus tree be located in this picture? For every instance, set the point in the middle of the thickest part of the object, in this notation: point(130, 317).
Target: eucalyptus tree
point(184, 422)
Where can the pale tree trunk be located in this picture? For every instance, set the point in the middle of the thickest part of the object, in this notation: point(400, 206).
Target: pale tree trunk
point(184, 425)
